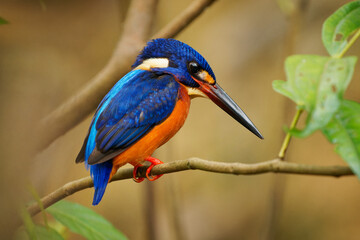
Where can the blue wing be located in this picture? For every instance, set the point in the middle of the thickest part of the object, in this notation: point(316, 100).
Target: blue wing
point(138, 102)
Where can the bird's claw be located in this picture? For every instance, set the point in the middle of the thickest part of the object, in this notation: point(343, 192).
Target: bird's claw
point(135, 178)
point(148, 175)
point(153, 161)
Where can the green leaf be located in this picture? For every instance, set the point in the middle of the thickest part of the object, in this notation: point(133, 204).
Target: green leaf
point(339, 28)
point(40, 233)
point(3, 21)
point(317, 85)
point(84, 221)
point(344, 131)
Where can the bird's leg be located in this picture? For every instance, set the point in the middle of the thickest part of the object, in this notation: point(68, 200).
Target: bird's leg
point(153, 161)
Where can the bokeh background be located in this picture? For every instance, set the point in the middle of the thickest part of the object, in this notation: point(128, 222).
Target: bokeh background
point(51, 49)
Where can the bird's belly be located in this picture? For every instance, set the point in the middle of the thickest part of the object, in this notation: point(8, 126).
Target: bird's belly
point(159, 135)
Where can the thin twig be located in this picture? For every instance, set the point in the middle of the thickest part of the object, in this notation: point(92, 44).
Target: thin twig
point(275, 166)
point(136, 32)
point(287, 139)
point(184, 19)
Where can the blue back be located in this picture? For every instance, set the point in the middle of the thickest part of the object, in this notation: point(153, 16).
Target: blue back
point(137, 103)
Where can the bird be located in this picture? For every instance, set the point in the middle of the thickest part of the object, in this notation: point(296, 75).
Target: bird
point(147, 107)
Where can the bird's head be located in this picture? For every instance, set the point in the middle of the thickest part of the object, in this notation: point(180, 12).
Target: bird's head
point(191, 70)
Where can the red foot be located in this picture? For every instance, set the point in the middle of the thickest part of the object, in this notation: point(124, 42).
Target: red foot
point(137, 179)
point(153, 161)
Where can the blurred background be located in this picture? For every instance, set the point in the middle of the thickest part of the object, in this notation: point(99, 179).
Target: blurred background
point(51, 49)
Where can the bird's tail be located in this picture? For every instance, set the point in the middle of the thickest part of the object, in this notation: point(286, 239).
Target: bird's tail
point(100, 173)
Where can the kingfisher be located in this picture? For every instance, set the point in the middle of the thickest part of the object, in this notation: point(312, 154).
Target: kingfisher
point(147, 107)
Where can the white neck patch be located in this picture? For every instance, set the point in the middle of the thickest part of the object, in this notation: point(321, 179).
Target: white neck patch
point(154, 63)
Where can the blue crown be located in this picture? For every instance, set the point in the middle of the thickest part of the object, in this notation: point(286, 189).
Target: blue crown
point(173, 50)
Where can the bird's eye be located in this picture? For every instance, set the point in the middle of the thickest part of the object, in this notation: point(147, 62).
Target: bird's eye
point(194, 68)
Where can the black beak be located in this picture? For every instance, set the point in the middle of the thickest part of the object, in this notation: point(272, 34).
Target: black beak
point(223, 100)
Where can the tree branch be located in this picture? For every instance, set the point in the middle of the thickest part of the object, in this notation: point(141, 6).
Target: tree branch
point(183, 19)
point(137, 27)
point(275, 166)
point(136, 32)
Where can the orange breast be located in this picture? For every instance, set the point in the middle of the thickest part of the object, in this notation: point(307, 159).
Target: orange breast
point(157, 136)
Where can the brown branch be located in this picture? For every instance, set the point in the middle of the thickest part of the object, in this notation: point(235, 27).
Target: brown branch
point(136, 32)
point(275, 166)
point(137, 27)
point(183, 19)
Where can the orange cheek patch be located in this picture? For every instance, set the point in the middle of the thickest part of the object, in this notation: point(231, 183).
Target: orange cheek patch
point(206, 77)
point(209, 79)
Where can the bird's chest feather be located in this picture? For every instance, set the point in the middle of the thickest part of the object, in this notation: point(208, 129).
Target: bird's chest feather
point(159, 135)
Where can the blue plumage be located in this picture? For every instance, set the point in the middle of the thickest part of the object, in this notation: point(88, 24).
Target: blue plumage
point(90, 141)
point(100, 174)
point(126, 116)
point(138, 102)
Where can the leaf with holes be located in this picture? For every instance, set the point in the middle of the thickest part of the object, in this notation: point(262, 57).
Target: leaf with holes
point(317, 85)
point(84, 221)
point(341, 27)
point(344, 131)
